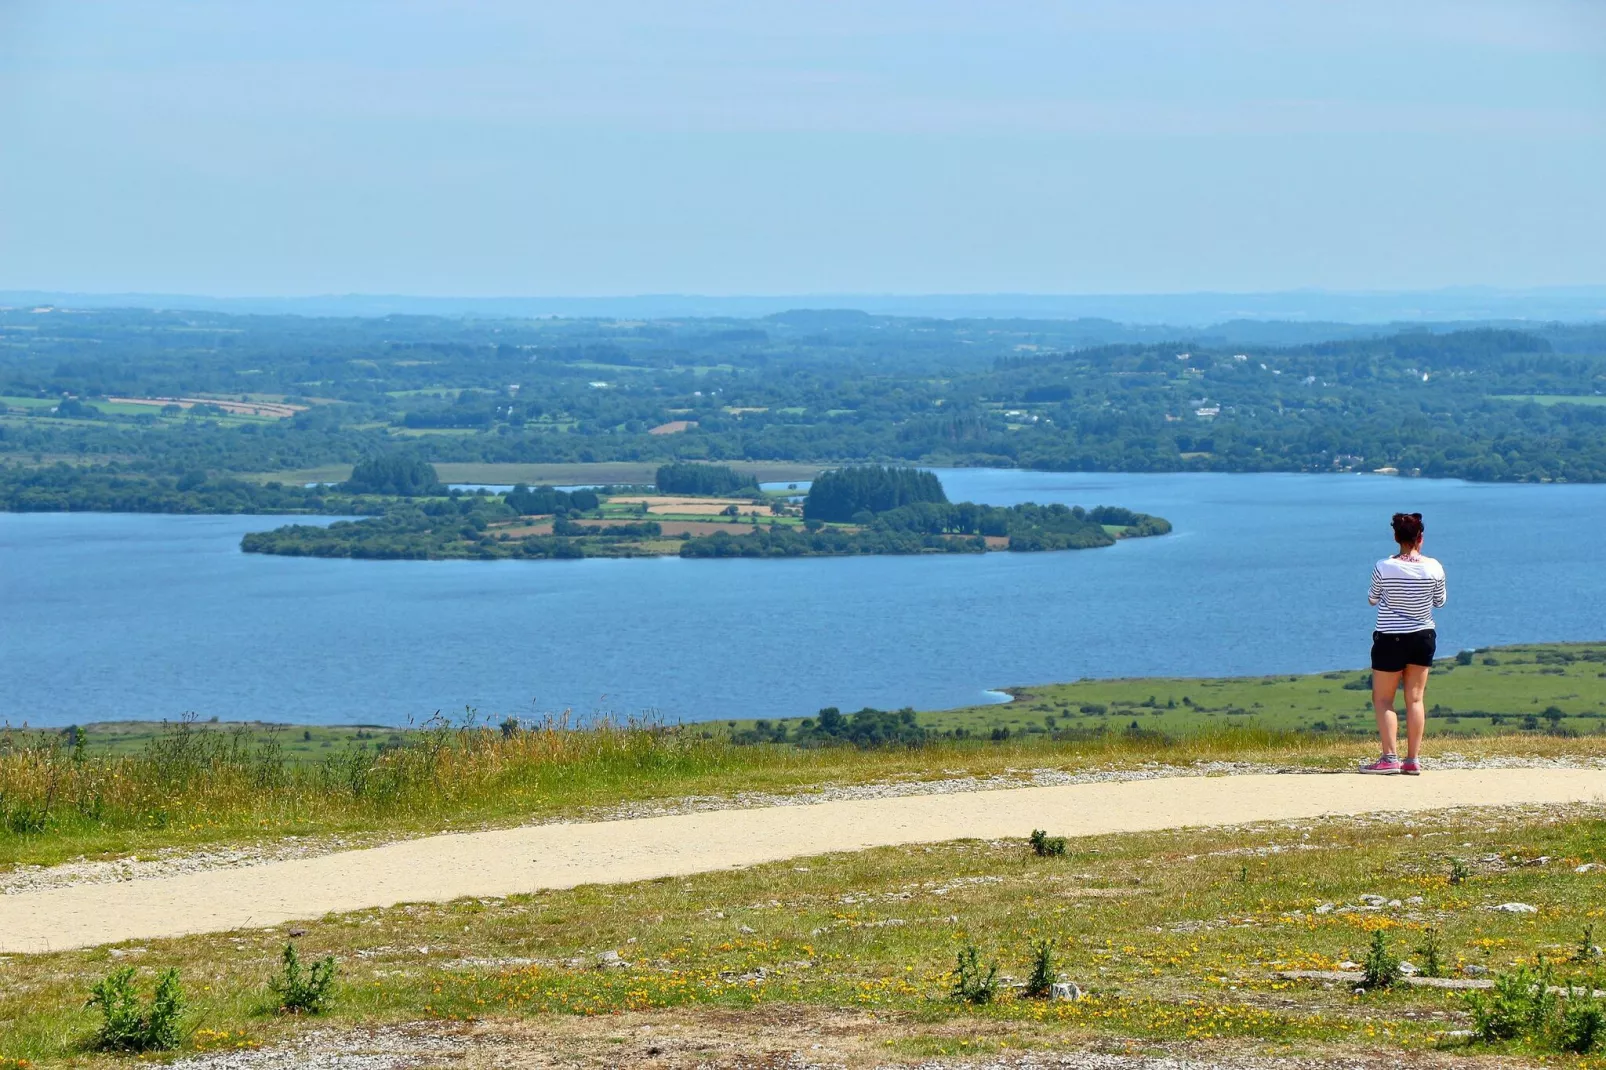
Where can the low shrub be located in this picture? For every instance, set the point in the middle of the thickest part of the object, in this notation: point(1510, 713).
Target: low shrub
point(1041, 980)
point(1046, 846)
point(303, 991)
point(972, 984)
point(1586, 950)
point(1432, 951)
point(1519, 1004)
point(1382, 966)
point(1523, 1005)
point(1582, 1028)
point(126, 1025)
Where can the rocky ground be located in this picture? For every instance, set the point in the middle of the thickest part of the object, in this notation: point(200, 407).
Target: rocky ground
point(778, 1038)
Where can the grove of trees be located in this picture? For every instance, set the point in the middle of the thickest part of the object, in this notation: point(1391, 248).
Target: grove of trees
point(714, 479)
point(399, 474)
point(842, 494)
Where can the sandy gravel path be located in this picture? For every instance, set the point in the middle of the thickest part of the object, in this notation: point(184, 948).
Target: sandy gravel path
point(511, 861)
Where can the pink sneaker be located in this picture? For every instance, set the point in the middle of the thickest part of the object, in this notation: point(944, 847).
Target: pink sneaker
point(1411, 767)
point(1388, 765)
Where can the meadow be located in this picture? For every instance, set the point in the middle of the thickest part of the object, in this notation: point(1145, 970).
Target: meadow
point(1557, 687)
point(1178, 941)
point(600, 473)
point(1556, 399)
point(139, 787)
point(193, 785)
point(35, 409)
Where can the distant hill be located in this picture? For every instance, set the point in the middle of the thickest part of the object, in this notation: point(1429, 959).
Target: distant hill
point(1190, 310)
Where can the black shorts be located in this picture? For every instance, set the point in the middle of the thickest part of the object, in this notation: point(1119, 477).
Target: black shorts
point(1392, 653)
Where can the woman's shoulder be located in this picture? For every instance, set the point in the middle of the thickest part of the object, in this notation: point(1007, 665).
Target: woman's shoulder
point(1395, 563)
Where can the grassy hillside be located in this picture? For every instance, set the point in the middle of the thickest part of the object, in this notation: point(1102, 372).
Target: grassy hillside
point(1559, 686)
point(126, 787)
point(1176, 938)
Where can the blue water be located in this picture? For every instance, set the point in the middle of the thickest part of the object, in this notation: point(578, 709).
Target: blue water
point(126, 616)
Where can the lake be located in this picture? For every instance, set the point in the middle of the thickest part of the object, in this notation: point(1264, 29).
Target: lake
point(106, 616)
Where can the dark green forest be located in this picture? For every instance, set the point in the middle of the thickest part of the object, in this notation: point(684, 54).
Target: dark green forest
point(1489, 402)
point(394, 474)
point(702, 479)
point(845, 493)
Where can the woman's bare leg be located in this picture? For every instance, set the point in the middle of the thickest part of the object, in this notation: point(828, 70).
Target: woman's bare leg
point(1416, 713)
point(1384, 684)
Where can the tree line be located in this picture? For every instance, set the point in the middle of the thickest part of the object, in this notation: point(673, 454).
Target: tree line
point(827, 390)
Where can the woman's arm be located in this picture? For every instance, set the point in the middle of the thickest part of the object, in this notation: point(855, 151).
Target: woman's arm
point(1376, 593)
point(1439, 593)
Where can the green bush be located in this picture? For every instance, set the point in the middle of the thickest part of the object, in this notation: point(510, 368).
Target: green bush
point(1382, 967)
point(1432, 951)
point(1046, 846)
point(1520, 1004)
point(971, 983)
point(1041, 980)
point(125, 1025)
point(1523, 1005)
point(303, 991)
point(1582, 1028)
point(1586, 950)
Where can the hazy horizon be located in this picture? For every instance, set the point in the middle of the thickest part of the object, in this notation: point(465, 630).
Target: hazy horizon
point(1184, 310)
point(895, 147)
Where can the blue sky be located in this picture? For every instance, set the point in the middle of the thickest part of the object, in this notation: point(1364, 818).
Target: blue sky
point(481, 148)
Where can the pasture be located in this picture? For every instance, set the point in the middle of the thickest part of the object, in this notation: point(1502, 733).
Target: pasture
point(1560, 687)
point(606, 473)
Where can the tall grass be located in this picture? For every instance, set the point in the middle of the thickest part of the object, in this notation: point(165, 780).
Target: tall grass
point(196, 783)
point(192, 778)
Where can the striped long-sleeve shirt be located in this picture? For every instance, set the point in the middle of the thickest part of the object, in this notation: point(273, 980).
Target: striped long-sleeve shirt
point(1406, 591)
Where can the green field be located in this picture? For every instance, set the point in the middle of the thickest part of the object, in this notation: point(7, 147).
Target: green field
point(1561, 686)
point(1512, 683)
point(36, 409)
point(7, 401)
point(428, 392)
point(561, 475)
point(1555, 399)
point(297, 743)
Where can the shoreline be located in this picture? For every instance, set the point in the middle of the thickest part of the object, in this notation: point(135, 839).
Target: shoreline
point(1018, 697)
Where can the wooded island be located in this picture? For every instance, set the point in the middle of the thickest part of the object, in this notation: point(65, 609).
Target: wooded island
point(692, 510)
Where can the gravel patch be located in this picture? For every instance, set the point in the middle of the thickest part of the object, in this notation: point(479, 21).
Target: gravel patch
point(174, 861)
point(396, 1048)
point(671, 1048)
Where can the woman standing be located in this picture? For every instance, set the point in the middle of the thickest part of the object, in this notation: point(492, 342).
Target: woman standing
point(1406, 589)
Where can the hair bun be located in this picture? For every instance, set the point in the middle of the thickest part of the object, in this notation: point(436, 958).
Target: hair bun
point(1407, 528)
